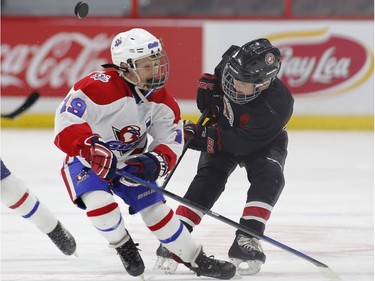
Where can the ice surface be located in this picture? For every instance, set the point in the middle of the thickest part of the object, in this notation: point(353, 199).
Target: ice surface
point(325, 211)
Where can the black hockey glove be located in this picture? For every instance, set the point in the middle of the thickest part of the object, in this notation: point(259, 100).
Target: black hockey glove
point(209, 94)
point(148, 166)
point(202, 138)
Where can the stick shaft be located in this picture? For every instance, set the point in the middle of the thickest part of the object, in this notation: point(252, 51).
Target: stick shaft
point(171, 172)
point(221, 218)
point(31, 99)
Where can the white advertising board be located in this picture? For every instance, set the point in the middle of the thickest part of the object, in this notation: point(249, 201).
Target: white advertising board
point(327, 65)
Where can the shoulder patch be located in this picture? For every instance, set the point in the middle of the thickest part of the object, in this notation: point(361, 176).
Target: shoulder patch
point(101, 77)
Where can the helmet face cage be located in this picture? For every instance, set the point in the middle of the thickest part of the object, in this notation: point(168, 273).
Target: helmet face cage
point(152, 71)
point(248, 92)
point(250, 71)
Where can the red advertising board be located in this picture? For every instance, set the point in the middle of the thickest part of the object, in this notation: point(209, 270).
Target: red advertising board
point(51, 54)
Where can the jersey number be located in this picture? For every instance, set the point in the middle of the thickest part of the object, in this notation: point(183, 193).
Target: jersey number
point(77, 106)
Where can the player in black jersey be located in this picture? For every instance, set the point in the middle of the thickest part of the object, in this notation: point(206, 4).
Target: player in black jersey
point(249, 110)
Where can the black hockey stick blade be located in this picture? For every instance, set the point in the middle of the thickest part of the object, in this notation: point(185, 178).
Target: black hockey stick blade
point(34, 96)
point(325, 270)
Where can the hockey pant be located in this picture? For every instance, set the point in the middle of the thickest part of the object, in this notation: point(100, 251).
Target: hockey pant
point(91, 193)
point(264, 170)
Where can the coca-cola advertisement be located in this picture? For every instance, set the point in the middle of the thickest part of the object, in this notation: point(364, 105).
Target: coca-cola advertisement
point(51, 54)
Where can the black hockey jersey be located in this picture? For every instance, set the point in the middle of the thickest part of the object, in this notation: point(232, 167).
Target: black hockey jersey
point(246, 128)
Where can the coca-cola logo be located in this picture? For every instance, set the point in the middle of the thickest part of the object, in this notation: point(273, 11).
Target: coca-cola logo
point(57, 62)
point(336, 63)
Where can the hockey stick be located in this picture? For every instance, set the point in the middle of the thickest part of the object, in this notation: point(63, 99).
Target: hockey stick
point(31, 99)
point(171, 172)
point(325, 270)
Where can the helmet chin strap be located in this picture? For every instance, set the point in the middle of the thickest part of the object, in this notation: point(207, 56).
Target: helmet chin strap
point(141, 96)
point(137, 89)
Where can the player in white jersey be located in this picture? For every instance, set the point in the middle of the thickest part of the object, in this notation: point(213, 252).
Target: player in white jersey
point(103, 125)
point(18, 197)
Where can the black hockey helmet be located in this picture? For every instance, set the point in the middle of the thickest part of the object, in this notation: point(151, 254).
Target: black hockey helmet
point(250, 70)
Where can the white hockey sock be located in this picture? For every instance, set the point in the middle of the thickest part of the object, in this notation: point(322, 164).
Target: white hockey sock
point(105, 215)
point(170, 231)
point(16, 196)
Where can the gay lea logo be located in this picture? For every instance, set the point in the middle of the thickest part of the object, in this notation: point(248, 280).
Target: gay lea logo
point(329, 63)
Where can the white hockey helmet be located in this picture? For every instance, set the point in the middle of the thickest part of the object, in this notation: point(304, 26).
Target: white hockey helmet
point(136, 44)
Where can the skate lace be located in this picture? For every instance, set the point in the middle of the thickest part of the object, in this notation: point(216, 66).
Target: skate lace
point(129, 253)
point(249, 244)
point(209, 265)
point(62, 239)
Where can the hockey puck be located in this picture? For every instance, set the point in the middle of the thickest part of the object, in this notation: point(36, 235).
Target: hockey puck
point(81, 10)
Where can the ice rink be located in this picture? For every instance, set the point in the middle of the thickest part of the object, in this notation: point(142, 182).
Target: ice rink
point(326, 211)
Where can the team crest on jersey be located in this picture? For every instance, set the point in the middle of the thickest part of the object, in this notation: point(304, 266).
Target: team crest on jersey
point(101, 77)
point(129, 134)
point(228, 111)
point(127, 138)
point(82, 176)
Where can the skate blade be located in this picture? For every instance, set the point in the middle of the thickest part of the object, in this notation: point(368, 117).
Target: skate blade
point(236, 276)
point(246, 267)
point(165, 265)
point(142, 277)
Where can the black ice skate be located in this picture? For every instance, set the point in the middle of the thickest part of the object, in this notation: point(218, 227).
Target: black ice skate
point(210, 267)
point(164, 262)
point(63, 239)
point(246, 253)
point(130, 257)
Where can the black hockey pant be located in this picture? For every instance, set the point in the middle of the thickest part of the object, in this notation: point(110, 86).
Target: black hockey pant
point(264, 172)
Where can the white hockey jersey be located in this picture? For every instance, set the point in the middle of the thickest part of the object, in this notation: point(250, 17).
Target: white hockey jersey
point(103, 103)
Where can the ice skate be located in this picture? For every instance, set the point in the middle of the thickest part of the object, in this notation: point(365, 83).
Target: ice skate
point(246, 253)
point(210, 267)
point(164, 262)
point(63, 239)
point(130, 257)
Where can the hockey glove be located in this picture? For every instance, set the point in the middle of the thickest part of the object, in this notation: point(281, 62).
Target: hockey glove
point(102, 160)
point(202, 138)
point(148, 166)
point(209, 94)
